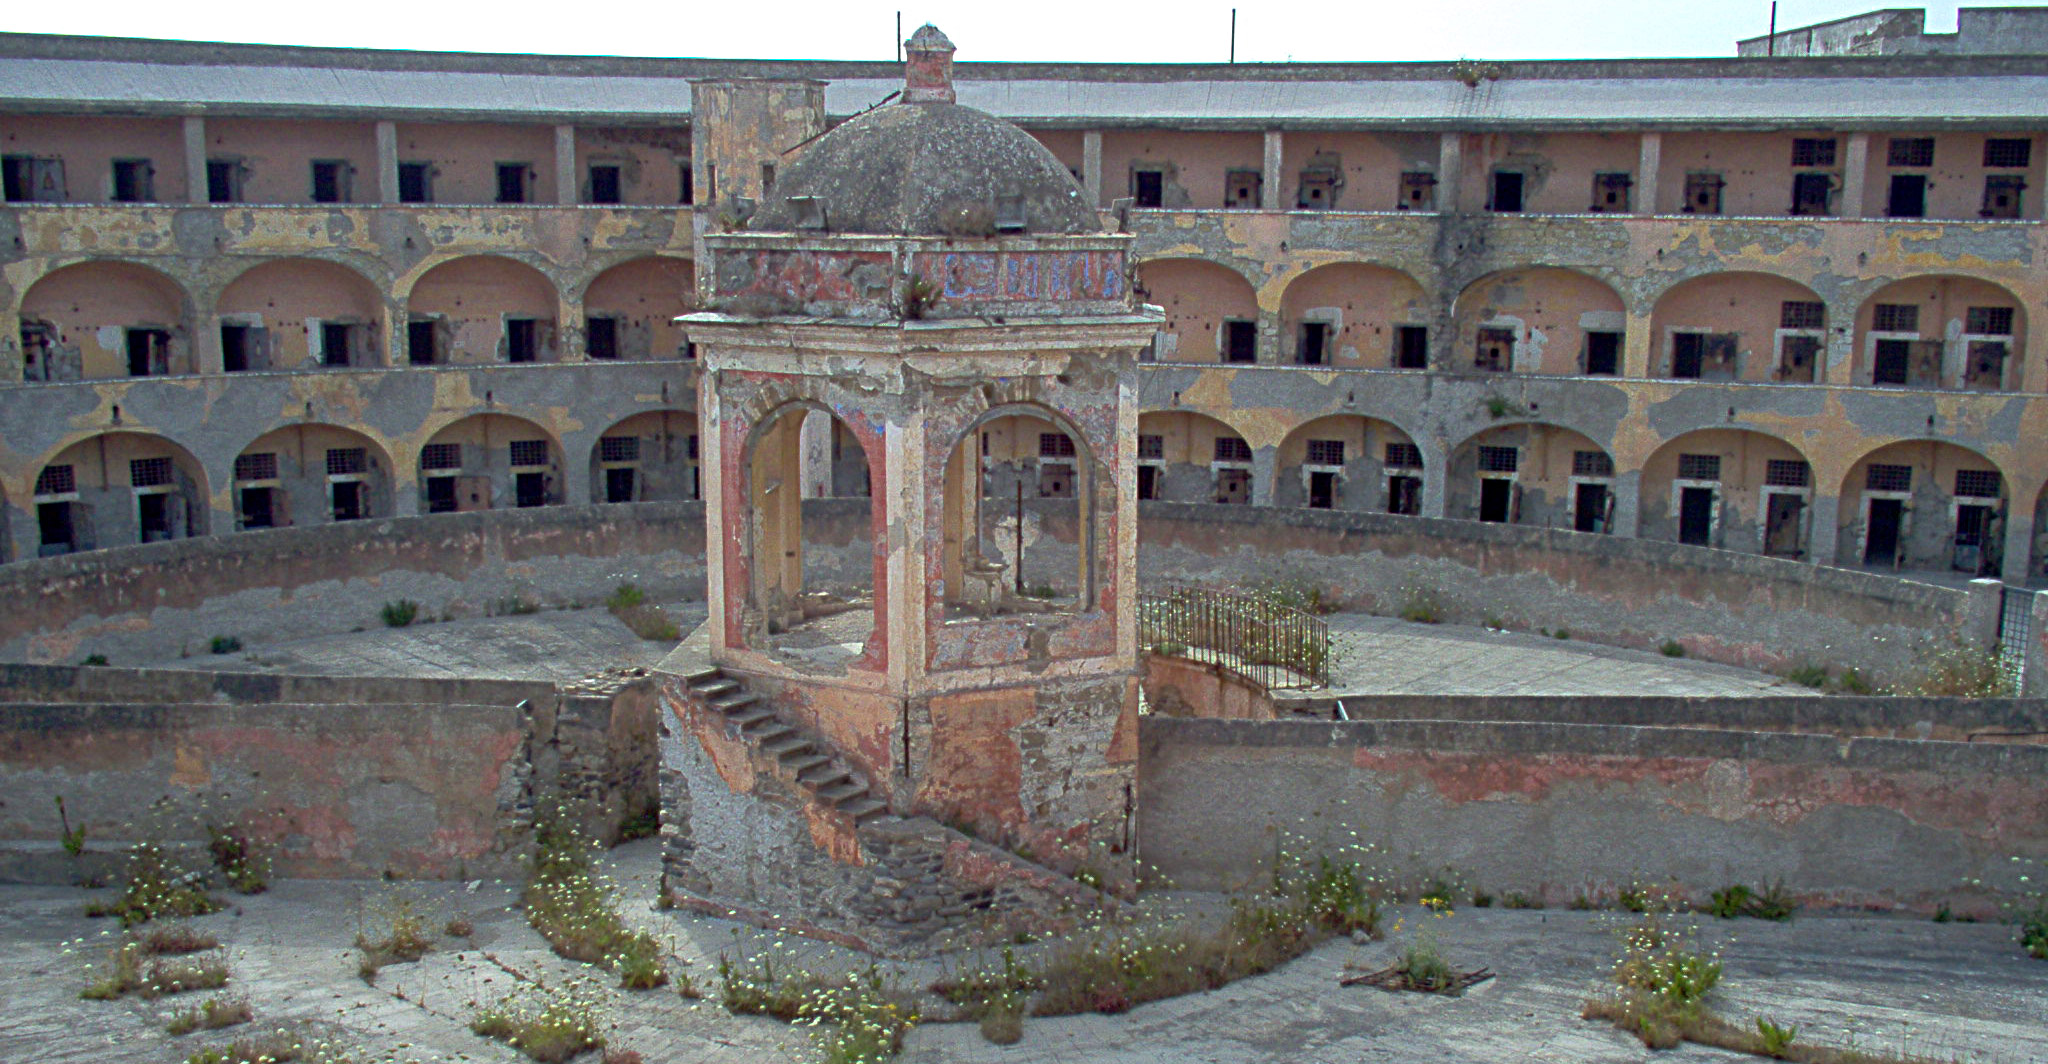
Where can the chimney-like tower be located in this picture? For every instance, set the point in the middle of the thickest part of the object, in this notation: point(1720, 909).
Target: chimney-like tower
point(928, 67)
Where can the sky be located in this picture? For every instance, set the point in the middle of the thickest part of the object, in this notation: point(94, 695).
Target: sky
point(1158, 31)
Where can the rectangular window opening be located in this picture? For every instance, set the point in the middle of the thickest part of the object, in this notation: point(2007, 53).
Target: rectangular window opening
point(604, 184)
point(1787, 473)
point(1148, 188)
point(1910, 151)
point(1232, 449)
point(2009, 153)
point(1611, 192)
point(1418, 191)
point(512, 183)
point(1240, 341)
point(527, 453)
point(1699, 467)
point(1813, 151)
point(1907, 197)
point(1314, 349)
point(415, 183)
point(422, 342)
point(1411, 347)
point(686, 185)
point(1241, 189)
point(1603, 353)
point(1495, 352)
point(522, 340)
point(134, 181)
point(1811, 193)
point(1507, 191)
point(2002, 195)
point(336, 343)
point(1703, 192)
point(1882, 477)
point(601, 338)
point(1326, 452)
point(331, 180)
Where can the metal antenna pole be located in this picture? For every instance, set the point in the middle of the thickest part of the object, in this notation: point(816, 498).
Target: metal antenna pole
point(1771, 48)
point(899, 35)
point(1019, 556)
point(1233, 34)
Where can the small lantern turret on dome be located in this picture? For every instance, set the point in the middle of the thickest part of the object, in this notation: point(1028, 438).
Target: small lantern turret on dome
point(928, 67)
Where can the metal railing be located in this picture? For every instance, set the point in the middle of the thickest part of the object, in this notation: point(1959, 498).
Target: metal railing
point(1272, 645)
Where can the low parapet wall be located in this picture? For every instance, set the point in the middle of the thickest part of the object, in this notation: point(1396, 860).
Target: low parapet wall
point(1740, 609)
point(159, 600)
point(1559, 810)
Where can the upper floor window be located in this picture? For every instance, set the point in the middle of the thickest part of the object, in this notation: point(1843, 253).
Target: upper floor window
point(2008, 152)
point(415, 183)
point(1703, 192)
point(604, 184)
point(1610, 192)
point(32, 179)
point(331, 180)
point(1507, 191)
point(512, 183)
point(1813, 151)
point(1241, 189)
point(1910, 151)
point(224, 180)
point(134, 181)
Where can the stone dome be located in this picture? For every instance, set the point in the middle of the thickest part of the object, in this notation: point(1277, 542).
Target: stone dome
point(927, 166)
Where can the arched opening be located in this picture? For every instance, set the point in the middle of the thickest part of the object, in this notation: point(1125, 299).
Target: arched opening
point(117, 489)
point(1349, 462)
point(1533, 474)
point(489, 462)
point(1923, 505)
point(1189, 457)
point(1941, 332)
point(1541, 319)
point(811, 561)
point(311, 475)
point(1019, 503)
point(300, 314)
point(1728, 488)
point(1739, 327)
point(629, 311)
point(650, 457)
point(1212, 314)
point(1352, 314)
point(481, 308)
point(99, 320)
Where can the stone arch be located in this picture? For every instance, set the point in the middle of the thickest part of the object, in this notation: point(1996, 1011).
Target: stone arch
point(1185, 456)
point(481, 309)
point(1349, 462)
point(629, 310)
point(647, 457)
point(1537, 319)
point(1739, 325)
point(1926, 505)
point(1532, 473)
point(1733, 488)
point(815, 568)
point(489, 462)
point(1940, 331)
point(309, 474)
point(1355, 314)
point(1023, 500)
point(1212, 311)
point(117, 488)
point(300, 313)
point(106, 318)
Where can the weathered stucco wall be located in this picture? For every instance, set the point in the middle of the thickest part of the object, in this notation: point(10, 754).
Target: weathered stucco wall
point(1556, 811)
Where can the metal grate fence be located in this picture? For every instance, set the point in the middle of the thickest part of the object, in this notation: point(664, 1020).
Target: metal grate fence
point(1273, 645)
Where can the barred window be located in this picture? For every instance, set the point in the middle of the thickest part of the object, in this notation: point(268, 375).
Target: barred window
point(1795, 314)
point(1977, 483)
point(1055, 445)
point(1404, 456)
point(1896, 317)
point(624, 448)
point(1910, 151)
point(1499, 459)
point(1813, 151)
point(259, 466)
point(1699, 467)
point(56, 480)
point(149, 472)
point(1592, 464)
point(1326, 452)
point(1989, 321)
point(1787, 473)
point(1881, 477)
point(441, 456)
point(344, 461)
point(1232, 449)
point(1150, 446)
point(2006, 152)
point(528, 452)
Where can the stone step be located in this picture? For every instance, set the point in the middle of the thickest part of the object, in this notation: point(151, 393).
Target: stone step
point(865, 809)
point(704, 675)
point(801, 763)
point(750, 716)
point(714, 688)
point(733, 703)
point(787, 746)
point(842, 792)
point(776, 732)
point(823, 776)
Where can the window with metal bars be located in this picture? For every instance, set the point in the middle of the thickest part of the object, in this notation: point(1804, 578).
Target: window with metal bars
point(1787, 473)
point(1813, 151)
point(1910, 151)
point(2006, 152)
point(1699, 467)
point(528, 452)
point(1592, 464)
point(259, 466)
point(1326, 452)
point(1404, 456)
point(1989, 321)
point(149, 472)
point(1882, 477)
point(441, 456)
point(56, 480)
point(1977, 483)
point(1895, 317)
point(1055, 445)
point(624, 448)
point(1232, 449)
point(1500, 459)
point(346, 461)
point(1798, 314)
point(1150, 446)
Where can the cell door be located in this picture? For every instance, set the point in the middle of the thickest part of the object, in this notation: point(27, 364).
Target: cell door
point(1322, 491)
point(1589, 509)
point(1908, 198)
point(53, 520)
point(530, 489)
point(349, 500)
point(1972, 539)
point(1234, 486)
point(1881, 534)
point(1696, 516)
point(1890, 365)
point(1496, 499)
point(1688, 354)
point(618, 485)
point(153, 517)
point(1781, 525)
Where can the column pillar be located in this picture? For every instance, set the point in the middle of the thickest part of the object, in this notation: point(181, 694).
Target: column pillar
point(1269, 174)
point(1638, 347)
point(1450, 171)
point(1823, 528)
point(2019, 542)
point(1265, 470)
point(1855, 168)
point(195, 159)
point(387, 162)
point(1648, 160)
point(565, 164)
point(1091, 167)
point(569, 325)
point(206, 352)
point(11, 354)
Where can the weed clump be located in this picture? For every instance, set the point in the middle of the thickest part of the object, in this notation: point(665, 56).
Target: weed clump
point(1955, 669)
point(577, 911)
point(399, 613)
point(405, 941)
point(1772, 902)
point(548, 1024)
point(240, 859)
point(212, 1015)
point(152, 887)
point(1672, 648)
point(132, 969)
point(629, 604)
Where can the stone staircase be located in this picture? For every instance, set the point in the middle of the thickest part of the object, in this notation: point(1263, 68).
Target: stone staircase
point(817, 770)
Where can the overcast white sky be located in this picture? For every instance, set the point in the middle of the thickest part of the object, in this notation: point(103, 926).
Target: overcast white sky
point(1143, 31)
